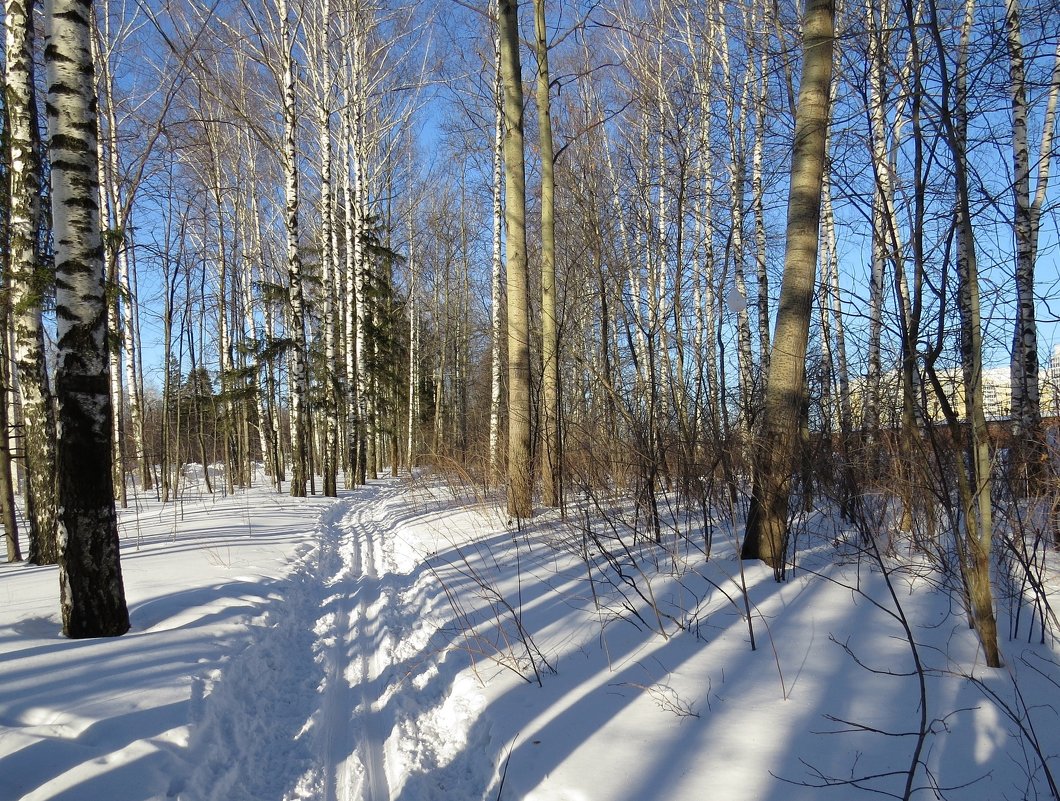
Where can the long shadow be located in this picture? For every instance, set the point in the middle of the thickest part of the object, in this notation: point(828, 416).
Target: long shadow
point(543, 747)
point(35, 765)
point(101, 713)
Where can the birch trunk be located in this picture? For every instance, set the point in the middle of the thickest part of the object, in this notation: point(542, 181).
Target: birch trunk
point(352, 399)
point(496, 298)
point(92, 594)
point(328, 267)
point(27, 280)
point(7, 484)
point(973, 470)
point(357, 258)
point(414, 347)
point(879, 247)
point(1026, 406)
point(737, 178)
point(758, 197)
point(110, 273)
point(299, 378)
point(125, 297)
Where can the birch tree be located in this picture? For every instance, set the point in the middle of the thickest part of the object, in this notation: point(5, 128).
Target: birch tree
point(328, 261)
point(7, 486)
point(28, 280)
point(495, 264)
point(973, 476)
point(91, 589)
point(299, 378)
point(1026, 223)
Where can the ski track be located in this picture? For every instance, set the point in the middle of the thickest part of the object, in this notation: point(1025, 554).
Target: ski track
point(352, 733)
point(326, 658)
point(369, 634)
point(337, 737)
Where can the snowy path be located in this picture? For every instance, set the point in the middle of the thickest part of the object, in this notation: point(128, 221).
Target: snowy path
point(372, 661)
point(352, 733)
point(338, 741)
point(321, 662)
point(369, 648)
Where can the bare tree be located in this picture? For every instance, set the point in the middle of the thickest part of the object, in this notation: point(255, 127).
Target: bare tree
point(92, 592)
point(520, 466)
point(299, 378)
point(28, 280)
point(785, 398)
point(1026, 223)
point(496, 297)
point(973, 472)
point(551, 455)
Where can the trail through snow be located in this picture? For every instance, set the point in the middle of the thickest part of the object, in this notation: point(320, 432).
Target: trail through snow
point(352, 733)
point(366, 640)
point(336, 594)
point(387, 645)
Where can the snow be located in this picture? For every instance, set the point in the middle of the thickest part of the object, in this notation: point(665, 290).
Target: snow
point(404, 642)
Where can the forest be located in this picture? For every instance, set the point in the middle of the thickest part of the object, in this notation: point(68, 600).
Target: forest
point(682, 266)
point(640, 334)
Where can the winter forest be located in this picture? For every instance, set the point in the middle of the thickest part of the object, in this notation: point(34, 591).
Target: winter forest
point(556, 399)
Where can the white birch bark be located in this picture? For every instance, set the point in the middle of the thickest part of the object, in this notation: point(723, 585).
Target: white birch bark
point(350, 335)
point(736, 130)
point(361, 264)
point(705, 295)
point(110, 269)
point(758, 193)
point(496, 298)
point(299, 378)
point(27, 279)
point(92, 595)
point(1026, 403)
point(328, 267)
point(266, 430)
point(881, 166)
point(413, 411)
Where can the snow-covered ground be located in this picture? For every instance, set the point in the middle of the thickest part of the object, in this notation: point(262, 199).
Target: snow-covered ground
point(405, 642)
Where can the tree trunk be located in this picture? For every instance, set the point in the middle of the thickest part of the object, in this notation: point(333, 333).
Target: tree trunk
point(767, 520)
point(7, 486)
point(414, 347)
point(1029, 455)
point(328, 266)
point(551, 456)
point(520, 466)
point(299, 377)
point(973, 474)
point(28, 280)
point(92, 593)
point(496, 298)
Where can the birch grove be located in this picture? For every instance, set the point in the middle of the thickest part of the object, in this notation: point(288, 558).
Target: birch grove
point(724, 264)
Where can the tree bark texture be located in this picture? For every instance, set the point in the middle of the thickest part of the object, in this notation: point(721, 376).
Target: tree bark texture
point(520, 467)
point(785, 399)
point(551, 456)
point(28, 279)
point(92, 593)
